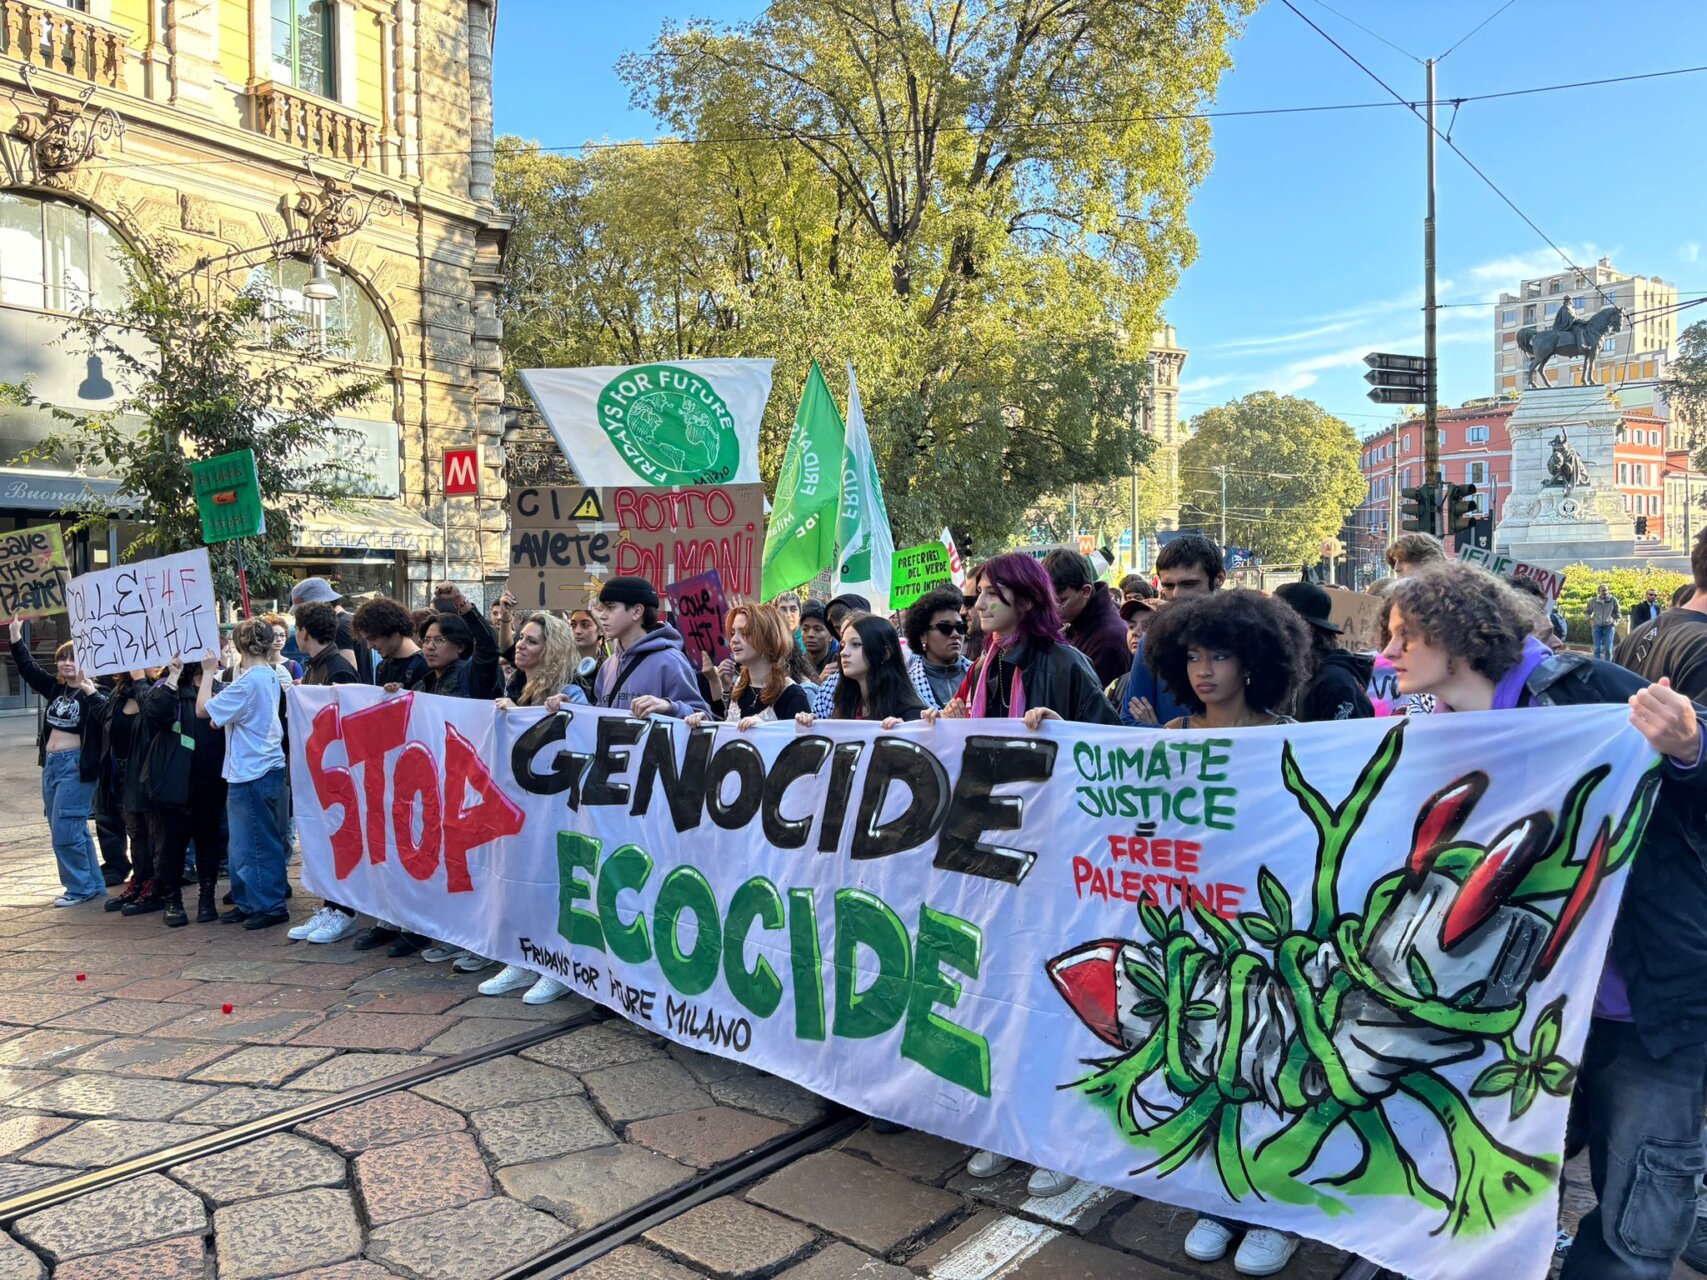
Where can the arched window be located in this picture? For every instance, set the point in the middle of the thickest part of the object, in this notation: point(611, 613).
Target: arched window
point(57, 256)
point(349, 326)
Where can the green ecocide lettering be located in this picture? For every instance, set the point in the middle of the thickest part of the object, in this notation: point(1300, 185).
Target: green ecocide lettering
point(882, 977)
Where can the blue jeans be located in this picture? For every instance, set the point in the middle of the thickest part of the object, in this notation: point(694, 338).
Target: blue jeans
point(1641, 1118)
point(257, 851)
point(1603, 640)
point(66, 800)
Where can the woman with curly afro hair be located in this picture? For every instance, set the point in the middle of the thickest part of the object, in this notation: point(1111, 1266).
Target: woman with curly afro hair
point(1235, 659)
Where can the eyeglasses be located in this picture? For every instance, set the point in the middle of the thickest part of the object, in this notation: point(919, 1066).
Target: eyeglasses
point(971, 602)
point(949, 628)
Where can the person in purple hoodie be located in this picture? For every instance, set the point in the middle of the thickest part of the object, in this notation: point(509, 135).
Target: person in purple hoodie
point(1465, 636)
point(647, 673)
point(1090, 615)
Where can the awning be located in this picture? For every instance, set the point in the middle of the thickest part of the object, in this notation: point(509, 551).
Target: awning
point(51, 490)
point(369, 524)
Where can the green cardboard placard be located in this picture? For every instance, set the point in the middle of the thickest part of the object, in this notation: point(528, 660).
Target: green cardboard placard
point(916, 571)
point(228, 497)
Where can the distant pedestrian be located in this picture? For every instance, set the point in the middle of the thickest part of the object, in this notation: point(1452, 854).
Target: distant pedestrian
point(1646, 610)
point(1089, 615)
point(1604, 611)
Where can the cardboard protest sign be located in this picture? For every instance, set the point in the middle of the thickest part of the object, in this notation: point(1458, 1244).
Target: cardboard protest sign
point(688, 422)
point(916, 571)
point(1550, 580)
point(33, 572)
point(143, 614)
point(1360, 617)
point(565, 541)
point(698, 610)
point(1288, 975)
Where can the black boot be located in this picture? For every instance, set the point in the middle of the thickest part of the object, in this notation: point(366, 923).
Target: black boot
point(119, 901)
point(176, 916)
point(146, 901)
point(206, 911)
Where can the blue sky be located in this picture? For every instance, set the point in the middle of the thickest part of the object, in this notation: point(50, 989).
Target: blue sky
point(1310, 226)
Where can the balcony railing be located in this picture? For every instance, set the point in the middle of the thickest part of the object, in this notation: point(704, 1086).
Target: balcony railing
point(63, 40)
point(302, 120)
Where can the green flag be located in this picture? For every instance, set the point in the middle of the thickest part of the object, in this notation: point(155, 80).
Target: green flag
point(800, 542)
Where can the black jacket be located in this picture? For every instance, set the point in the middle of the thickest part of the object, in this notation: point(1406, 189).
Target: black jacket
point(89, 704)
point(172, 772)
point(1340, 688)
point(1056, 676)
point(1659, 942)
point(476, 676)
point(1099, 632)
point(127, 769)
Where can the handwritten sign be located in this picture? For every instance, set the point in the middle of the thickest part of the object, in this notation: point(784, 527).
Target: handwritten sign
point(565, 541)
point(1549, 580)
point(1359, 617)
point(699, 608)
point(143, 614)
point(32, 572)
point(917, 570)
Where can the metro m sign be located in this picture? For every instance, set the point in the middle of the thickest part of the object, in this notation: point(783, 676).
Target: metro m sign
point(462, 472)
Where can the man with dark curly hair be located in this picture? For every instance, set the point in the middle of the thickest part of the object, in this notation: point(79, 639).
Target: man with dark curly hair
point(1464, 635)
point(1232, 659)
point(389, 631)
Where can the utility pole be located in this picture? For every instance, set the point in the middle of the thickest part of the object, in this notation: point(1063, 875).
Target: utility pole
point(1431, 375)
point(1223, 470)
point(1393, 487)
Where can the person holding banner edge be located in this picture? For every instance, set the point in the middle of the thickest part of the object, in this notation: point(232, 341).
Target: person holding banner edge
point(760, 689)
point(184, 784)
point(70, 758)
point(1462, 635)
point(648, 672)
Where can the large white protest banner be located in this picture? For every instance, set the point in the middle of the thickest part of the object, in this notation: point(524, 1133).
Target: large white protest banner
point(143, 614)
point(1331, 978)
point(692, 422)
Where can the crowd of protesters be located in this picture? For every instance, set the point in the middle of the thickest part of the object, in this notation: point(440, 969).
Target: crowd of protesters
point(184, 768)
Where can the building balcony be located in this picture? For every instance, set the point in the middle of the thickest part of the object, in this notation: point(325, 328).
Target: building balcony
point(62, 40)
point(313, 124)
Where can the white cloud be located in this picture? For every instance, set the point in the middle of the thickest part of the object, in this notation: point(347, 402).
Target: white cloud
point(1190, 385)
point(1690, 252)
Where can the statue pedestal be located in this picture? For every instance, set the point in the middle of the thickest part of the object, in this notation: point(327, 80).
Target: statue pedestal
point(1545, 525)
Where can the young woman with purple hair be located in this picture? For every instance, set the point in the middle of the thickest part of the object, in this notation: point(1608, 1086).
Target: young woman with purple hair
point(1027, 668)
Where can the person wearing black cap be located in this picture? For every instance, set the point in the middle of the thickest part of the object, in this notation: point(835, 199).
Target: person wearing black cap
point(647, 673)
point(1337, 688)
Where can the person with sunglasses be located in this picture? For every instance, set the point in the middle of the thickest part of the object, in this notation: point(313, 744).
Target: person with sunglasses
point(936, 637)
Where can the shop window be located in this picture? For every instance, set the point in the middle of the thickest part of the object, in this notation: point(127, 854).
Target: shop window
point(349, 327)
point(57, 256)
point(303, 46)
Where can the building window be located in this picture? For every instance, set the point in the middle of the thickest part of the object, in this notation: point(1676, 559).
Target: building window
point(1477, 435)
point(57, 256)
point(1640, 473)
point(1405, 442)
point(1529, 314)
point(1653, 504)
point(1623, 473)
point(349, 327)
point(303, 45)
point(1476, 473)
point(1440, 436)
point(1508, 317)
point(1553, 286)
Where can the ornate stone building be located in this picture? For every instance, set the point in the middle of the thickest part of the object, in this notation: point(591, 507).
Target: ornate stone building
point(342, 147)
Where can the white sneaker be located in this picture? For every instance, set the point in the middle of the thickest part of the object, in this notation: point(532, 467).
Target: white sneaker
point(337, 925)
point(512, 977)
point(1048, 1182)
point(545, 990)
point(1264, 1252)
point(300, 932)
point(439, 952)
point(987, 1164)
point(1207, 1240)
point(471, 963)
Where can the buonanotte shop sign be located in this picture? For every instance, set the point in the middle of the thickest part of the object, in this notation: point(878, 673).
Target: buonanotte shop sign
point(1331, 978)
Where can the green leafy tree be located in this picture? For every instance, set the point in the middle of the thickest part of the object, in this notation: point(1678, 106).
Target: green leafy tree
point(1292, 475)
point(197, 378)
point(981, 205)
point(1685, 392)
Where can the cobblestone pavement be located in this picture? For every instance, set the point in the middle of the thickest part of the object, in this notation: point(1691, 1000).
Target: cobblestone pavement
point(115, 1042)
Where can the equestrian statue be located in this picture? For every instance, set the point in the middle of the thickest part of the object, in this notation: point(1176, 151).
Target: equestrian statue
point(1569, 336)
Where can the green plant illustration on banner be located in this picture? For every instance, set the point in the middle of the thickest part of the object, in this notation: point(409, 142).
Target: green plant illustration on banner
point(1331, 1022)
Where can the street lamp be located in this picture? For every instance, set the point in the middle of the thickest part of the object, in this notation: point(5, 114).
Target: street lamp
point(319, 287)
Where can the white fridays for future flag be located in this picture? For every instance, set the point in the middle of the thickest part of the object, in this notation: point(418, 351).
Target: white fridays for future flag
point(865, 548)
point(669, 423)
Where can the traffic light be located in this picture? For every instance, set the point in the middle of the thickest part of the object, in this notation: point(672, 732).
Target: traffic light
point(1396, 379)
point(1420, 510)
point(1461, 510)
point(1641, 526)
